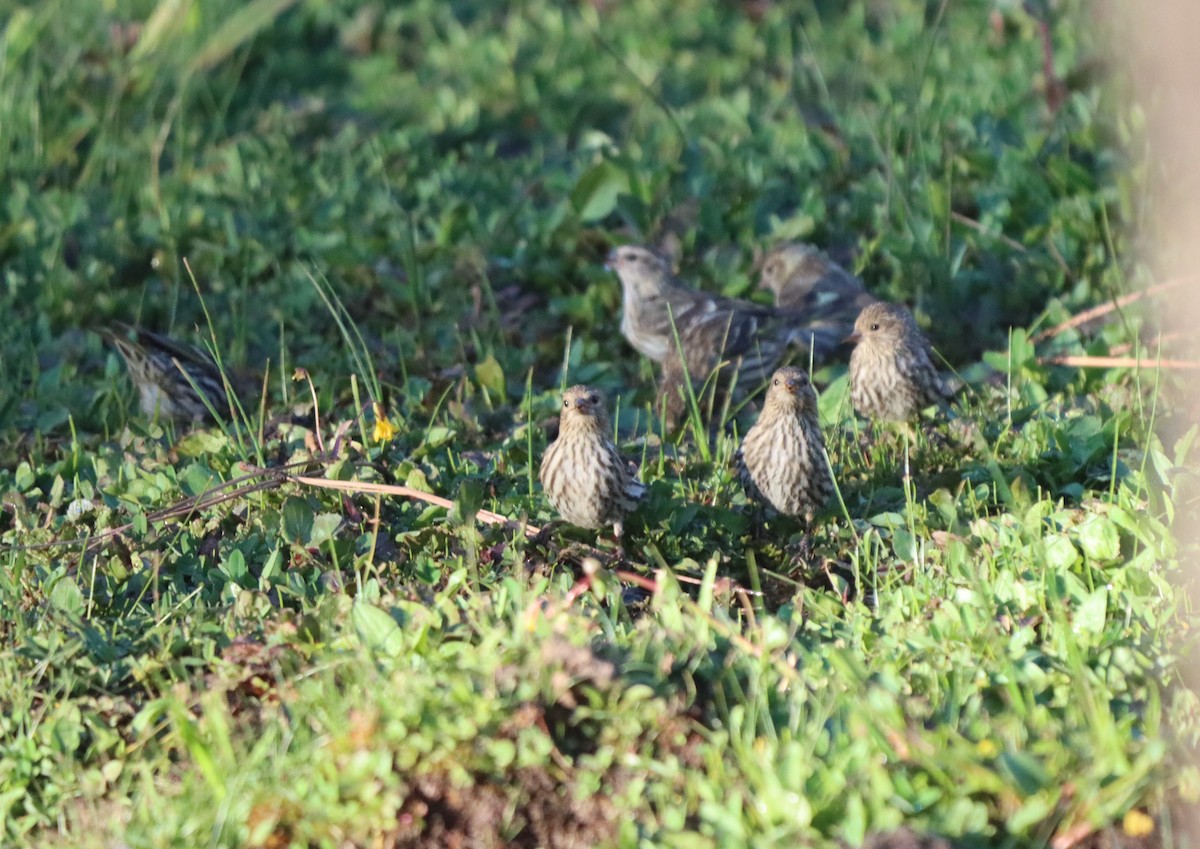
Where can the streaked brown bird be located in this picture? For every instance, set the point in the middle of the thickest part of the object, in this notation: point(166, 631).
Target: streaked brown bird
point(161, 367)
point(782, 462)
point(751, 340)
point(653, 297)
point(803, 279)
point(892, 371)
point(582, 472)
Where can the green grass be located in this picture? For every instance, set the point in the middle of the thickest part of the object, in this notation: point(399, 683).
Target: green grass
point(412, 203)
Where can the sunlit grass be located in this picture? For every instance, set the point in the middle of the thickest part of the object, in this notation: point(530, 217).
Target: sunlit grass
point(407, 208)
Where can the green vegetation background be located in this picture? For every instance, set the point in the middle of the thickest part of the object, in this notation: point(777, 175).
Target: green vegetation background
point(446, 177)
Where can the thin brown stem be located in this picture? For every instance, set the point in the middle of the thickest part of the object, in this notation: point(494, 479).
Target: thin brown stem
point(1104, 309)
point(1116, 362)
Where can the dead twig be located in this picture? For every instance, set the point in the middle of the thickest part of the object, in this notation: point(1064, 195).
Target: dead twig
point(1160, 339)
point(1104, 309)
point(228, 491)
point(1082, 361)
point(980, 227)
point(485, 516)
point(259, 478)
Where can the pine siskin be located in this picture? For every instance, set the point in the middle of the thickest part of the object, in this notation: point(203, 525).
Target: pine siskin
point(653, 297)
point(713, 331)
point(803, 279)
point(582, 473)
point(892, 375)
point(782, 462)
point(160, 367)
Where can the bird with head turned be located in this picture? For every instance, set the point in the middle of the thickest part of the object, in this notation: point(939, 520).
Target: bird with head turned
point(656, 307)
point(582, 473)
point(892, 371)
point(782, 461)
point(713, 332)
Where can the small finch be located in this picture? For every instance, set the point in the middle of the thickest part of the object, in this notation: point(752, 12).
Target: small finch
point(713, 331)
point(781, 462)
point(160, 368)
point(582, 473)
point(653, 297)
point(802, 278)
point(892, 375)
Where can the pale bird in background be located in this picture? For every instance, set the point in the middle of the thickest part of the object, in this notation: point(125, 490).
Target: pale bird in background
point(161, 367)
point(582, 472)
point(654, 297)
point(712, 330)
point(782, 462)
point(892, 371)
point(803, 279)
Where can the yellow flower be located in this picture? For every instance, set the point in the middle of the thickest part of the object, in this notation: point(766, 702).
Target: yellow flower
point(384, 429)
point(987, 748)
point(1137, 823)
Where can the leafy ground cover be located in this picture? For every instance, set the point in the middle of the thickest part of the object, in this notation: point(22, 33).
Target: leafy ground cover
point(409, 205)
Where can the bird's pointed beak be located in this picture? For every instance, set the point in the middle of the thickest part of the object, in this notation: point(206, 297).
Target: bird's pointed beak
point(793, 385)
point(853, 339)
point(582, 407)
point(610, 261)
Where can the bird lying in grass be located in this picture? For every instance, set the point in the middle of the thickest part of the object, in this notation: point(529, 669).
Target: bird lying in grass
point(173, 379)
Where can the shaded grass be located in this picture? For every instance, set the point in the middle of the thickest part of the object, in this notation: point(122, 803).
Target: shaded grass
point(303, 667)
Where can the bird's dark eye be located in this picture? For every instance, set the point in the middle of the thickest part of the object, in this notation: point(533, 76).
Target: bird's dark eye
point(875, 326)
point(595, 399)
point(566, 403)
point(777, 381)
